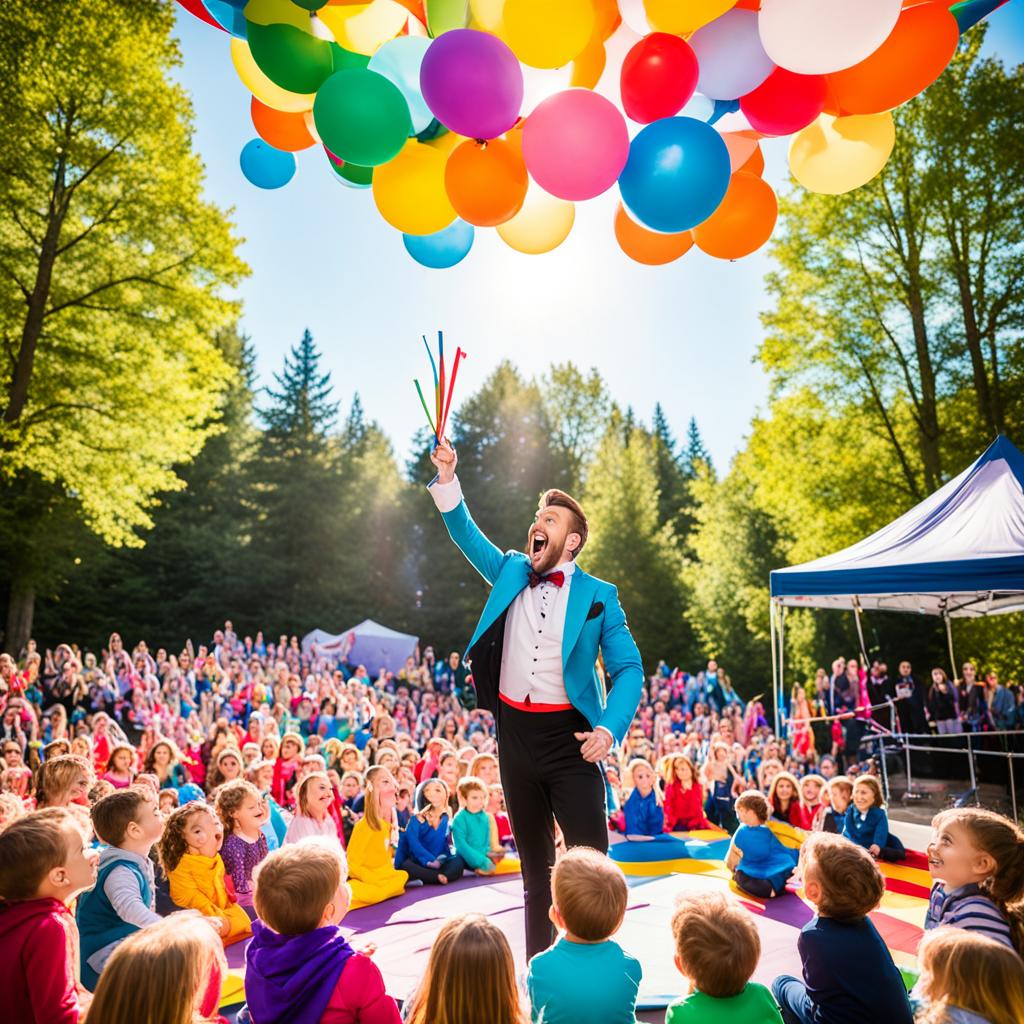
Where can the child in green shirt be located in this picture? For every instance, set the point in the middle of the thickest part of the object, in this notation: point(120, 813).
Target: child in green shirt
point(717, 949)
point(471, 828)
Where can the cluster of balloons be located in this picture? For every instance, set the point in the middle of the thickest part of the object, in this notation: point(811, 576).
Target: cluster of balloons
point(425, 103)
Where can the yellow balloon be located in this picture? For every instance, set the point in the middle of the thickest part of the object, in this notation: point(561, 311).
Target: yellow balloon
point(681, 17)
point(544, 34)
point(446, 143)
point(409, 190)
point(834, 155)
point(543, 223)
point(588, 67)
point(487, 13)
point(262, 87)
point(364, 28)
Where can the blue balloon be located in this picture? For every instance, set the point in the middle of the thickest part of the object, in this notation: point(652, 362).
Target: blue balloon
point(444, 248)
point(190, 791)
point(676, 175)
point(265, 166)
point(399, 61)
point(228, 14)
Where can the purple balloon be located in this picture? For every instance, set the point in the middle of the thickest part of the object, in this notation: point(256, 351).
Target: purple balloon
point(472, 83)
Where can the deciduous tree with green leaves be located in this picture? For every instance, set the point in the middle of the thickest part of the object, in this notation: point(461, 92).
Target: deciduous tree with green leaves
point(112, 267)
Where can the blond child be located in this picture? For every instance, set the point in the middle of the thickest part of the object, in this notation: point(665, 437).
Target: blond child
point(299, 965)
point(190, 856)
point(848, 973)
point(837, 798)
point(124, 897)
point(976, 858)
point(470, 977)
point(169, 972)
point(585, 975)
point(717, 949)
point(64, 780)
point(242, 812)
point(373, 876)
point(314, 797)
point(967, 978)
point(867, 823)
point(44, 865)
point(642, 810)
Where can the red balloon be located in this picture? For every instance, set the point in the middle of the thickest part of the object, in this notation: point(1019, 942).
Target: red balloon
point(785, 102)
point(659, 75)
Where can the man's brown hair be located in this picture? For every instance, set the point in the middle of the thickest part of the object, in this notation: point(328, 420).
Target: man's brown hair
point(112, 814)
point(577, 520)
point(30, 848)
point(851, 884)
point(294, 884)
point(716, 941)
point(589, 890)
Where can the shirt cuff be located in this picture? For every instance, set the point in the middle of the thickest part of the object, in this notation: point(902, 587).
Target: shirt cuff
point(447, 497)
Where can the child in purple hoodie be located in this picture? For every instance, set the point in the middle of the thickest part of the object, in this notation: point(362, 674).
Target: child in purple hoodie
point(299, 967)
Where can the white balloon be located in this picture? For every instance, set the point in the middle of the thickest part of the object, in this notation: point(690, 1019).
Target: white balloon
point(634, 15)
point(731, 58)
point(816, 37)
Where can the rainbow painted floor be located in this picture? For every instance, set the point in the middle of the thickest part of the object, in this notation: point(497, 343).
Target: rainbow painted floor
point(404, 928)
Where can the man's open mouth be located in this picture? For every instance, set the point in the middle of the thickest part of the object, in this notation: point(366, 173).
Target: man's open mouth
point(539, 543)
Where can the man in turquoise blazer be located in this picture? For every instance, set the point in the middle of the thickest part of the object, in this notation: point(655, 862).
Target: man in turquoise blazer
point(533, 656)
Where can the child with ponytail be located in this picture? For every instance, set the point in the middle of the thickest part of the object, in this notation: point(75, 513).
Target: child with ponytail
point(977, 860)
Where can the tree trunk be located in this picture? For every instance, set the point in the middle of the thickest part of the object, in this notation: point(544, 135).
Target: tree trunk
point(20, 611)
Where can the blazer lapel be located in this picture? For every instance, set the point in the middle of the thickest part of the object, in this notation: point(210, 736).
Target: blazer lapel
point(581, 592)
point(514, 576)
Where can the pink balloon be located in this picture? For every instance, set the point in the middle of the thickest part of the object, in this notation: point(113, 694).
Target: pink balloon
point(575, 144)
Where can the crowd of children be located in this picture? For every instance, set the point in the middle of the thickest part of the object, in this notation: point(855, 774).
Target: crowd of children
point(168, 807)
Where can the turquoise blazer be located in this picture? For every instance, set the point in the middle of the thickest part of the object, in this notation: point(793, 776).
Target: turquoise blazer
point(593, 619)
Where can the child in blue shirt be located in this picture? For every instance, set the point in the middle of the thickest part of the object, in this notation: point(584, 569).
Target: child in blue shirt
point(471, 829)
point(848, 973)
point(585, 976)
point(766, 863)
point(425, 848)
point(124, 897)
point(642, 810)
point(717, 950)
point(831, 816)
point(867, 824)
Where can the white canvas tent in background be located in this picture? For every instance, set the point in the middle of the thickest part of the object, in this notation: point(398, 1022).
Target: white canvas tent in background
point(369, 644)
point(958, 554)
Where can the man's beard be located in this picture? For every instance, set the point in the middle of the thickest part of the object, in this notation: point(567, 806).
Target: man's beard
point(551, 556)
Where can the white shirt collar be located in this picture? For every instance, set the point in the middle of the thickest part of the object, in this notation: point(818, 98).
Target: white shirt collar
point(567, 568)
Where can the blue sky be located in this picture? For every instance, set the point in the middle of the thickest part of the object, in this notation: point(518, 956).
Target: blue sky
point(322, 258)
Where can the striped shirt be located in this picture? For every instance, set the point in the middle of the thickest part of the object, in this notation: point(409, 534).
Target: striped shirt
point(969, 908)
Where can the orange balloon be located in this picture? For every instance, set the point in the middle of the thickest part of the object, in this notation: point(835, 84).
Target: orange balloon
point(648, 247)
point(486, 182)
point(911, 58)
point(744, 220)
point(755, 163)
point(283, 130)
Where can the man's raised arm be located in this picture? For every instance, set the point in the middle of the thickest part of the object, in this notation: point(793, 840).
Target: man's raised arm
point(485, 557)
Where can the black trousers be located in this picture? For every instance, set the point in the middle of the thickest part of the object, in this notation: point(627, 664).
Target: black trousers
point(452, 868)
point(545, 778)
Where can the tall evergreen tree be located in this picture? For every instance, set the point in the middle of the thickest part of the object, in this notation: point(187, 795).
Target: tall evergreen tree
point(629, 547)
point(696, 455)
point(673, 490)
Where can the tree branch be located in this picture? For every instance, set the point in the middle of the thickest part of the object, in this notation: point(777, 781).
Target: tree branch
point(98, 222)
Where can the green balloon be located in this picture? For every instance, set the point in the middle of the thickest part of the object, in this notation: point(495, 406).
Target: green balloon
point(354, 174)
point(361, 117)
point(310, 5)
point(347, 59)
point(289, 57)
point(444, 15)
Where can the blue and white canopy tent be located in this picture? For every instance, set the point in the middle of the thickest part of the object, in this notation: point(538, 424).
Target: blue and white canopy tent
point(369, 644)
point(958, 554)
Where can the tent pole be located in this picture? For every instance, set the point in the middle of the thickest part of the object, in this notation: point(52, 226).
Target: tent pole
point(949, 641)
point(782, 664)
point(860, 631)
point(775, 666)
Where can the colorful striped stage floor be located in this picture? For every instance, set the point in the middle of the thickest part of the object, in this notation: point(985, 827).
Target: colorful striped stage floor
point(404, 928)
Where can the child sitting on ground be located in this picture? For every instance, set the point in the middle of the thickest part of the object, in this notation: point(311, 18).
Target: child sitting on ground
point(124, 897)
point(470, 977)
point(120, 768)
point(684, 796)
point(170, 971)
point(977, 860)
point(810, 802)
point(849, 975)
point(44, 864)
point(585, 975)
point(867, 823)
point(832, 813)
point(299, 967)
point(242, 812)
point(642, 809)
point(190, 857)
point(717, 949)
point(425, 850)
point(471, 830)
point(766, 863)
point(315, 794)
point(967, 978)
point(371, 851)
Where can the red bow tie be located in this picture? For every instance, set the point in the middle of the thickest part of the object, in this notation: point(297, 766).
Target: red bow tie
point(557, 578)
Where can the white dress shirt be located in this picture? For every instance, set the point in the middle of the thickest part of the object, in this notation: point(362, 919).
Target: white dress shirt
point(531, 657)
